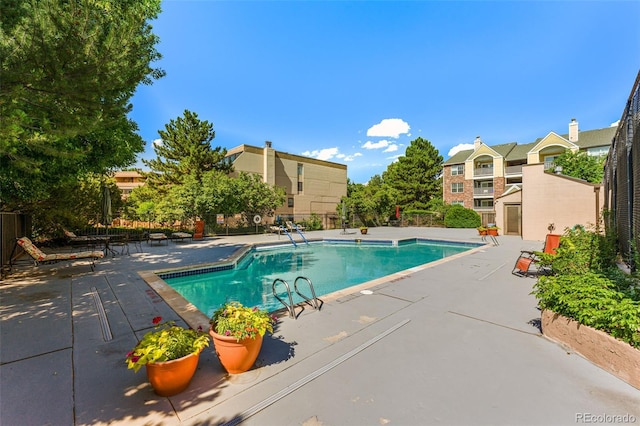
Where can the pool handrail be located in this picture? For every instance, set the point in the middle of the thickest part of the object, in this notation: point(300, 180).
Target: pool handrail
point(288, 235)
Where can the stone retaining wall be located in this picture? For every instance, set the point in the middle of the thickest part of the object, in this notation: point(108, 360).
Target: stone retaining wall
point(613, 355)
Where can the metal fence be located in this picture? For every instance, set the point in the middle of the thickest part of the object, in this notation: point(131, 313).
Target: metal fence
point(12, 227)
point(622, 180)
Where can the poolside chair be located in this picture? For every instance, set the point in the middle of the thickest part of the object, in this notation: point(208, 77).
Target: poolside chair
point(198, 233)
point(527, 264)
point(157, 236)
point(39, 256)
point(293, 227)
point(175, 236)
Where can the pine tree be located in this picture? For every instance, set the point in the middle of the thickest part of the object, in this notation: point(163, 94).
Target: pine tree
point(416, 175)
point(185, 150)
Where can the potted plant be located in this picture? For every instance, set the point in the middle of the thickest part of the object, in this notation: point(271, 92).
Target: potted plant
point(482, 230)
point(363, 230)
point(170, 354)
point(237, 333)
point(493, 230)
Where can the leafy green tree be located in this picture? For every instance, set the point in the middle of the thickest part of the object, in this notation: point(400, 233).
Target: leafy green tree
point(581, 165)
point(185, 150)
point(416, 175)
point(69, 69)
point(256, 197)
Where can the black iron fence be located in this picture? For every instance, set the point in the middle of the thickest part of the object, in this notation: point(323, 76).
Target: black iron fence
point(622, 180)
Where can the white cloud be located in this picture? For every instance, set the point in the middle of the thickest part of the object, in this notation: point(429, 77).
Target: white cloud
point(391, 148)
point(376, 145)
point(389, 127)
point(394, 157)
point(157, 142)
point(460, 147)
point(615, 124)
point(322, 154)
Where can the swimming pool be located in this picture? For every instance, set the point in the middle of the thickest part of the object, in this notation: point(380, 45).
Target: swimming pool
point(330, 265)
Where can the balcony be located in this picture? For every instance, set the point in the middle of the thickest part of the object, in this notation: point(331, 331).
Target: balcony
point(483, 192)
point(483, 171)
point(513, 170)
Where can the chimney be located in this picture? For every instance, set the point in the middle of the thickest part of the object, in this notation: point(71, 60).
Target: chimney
point(267, 144)
point(477, 143)
point(573, 130)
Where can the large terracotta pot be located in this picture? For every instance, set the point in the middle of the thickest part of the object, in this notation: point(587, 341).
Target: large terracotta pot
point(236, 357)
point(493, 232)
point(172, 377)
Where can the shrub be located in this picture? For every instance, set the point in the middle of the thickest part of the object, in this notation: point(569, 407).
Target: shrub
point(314, 223)
point(593, 300)
point(582, 251)
point(460, 217)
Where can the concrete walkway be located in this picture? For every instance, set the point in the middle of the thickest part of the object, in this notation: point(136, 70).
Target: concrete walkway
point(455, 343)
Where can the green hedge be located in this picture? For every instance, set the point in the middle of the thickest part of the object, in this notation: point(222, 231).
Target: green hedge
point(460, 217)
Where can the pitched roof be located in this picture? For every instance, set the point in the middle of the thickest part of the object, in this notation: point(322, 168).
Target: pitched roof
point(513, 151)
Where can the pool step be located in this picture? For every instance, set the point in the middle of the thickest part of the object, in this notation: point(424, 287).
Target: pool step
point(313, 301)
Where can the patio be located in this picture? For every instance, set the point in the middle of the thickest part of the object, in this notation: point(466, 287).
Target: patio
point(455, 343)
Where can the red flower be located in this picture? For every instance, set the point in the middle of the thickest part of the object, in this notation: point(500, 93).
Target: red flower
point(156, 320)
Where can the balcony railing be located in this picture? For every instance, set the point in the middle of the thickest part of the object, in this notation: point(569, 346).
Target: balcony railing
point(483, 171)
point(513, 170)
point(483, 191)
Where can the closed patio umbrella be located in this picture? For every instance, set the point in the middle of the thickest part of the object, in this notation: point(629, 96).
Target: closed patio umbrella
point(107, 216)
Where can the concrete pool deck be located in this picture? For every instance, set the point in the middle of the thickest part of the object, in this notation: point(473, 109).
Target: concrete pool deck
point(455, 343)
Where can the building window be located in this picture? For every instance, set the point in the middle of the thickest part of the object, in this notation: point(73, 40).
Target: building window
point(457, 187)
point(457, 203)
point(300, 169)
point(457, 170)
point(290, 202)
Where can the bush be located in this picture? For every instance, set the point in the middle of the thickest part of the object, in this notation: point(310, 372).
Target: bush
point(460, 217)
point(593, 300)
point(589, 288)
point(314, 223)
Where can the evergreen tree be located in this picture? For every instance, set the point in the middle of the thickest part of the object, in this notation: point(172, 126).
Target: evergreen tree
point(185, 150)
point(416, 175)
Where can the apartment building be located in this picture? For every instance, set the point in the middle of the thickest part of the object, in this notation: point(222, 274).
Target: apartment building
point(127, 180)
point(479, 177)
point(311, 185)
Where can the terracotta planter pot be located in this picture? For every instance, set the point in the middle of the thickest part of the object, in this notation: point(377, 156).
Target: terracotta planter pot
point(493, 232)
point(482, 233)
point(363, 231)
point(236, 357)
point(172, 377)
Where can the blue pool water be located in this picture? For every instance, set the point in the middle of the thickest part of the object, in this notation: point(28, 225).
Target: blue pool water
point(331, 267)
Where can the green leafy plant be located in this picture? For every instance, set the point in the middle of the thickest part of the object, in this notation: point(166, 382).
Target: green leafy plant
point(167, 343)
point(593, 300)
point(461, 217)
point(241, 322)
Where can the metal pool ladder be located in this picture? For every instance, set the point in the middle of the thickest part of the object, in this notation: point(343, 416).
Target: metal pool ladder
point(313, 300)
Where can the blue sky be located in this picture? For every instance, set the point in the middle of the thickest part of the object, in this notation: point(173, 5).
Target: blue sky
point(356, 82)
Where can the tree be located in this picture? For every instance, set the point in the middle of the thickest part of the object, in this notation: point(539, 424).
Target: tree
point(256, 197)
point(416, 175)
point(69, 69)
point(185, 150)
point(581, 165)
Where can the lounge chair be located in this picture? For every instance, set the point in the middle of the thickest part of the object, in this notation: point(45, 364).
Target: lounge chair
point(180, 236)
point(39, 256)
point(528, 262)
point(157, 236)
point(293, 227)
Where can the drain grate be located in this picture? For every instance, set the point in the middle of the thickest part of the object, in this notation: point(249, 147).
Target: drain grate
point(102, 315)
